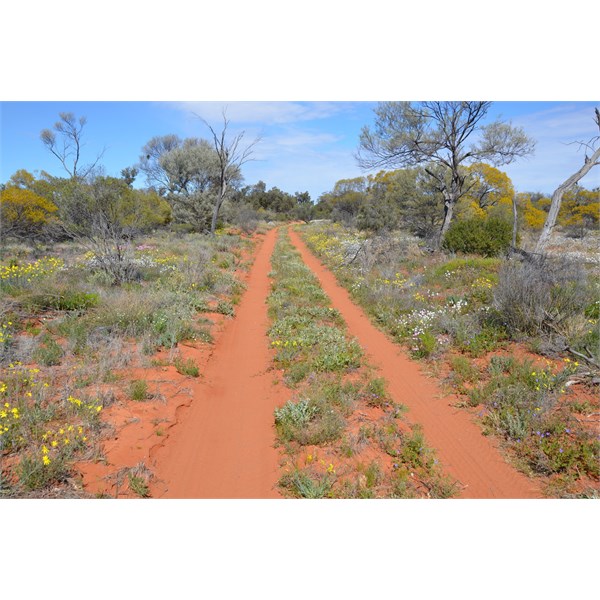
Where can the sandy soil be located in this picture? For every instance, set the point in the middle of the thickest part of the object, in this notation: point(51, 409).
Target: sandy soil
point(222, 445)
point(468, 456)
point(213, 437)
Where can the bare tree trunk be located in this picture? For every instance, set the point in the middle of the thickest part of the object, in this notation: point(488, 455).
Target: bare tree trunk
point(515, 221)
point(448, 212)
point(231, 158)
point(215, 215)
point(557, 199)
point(565, 187)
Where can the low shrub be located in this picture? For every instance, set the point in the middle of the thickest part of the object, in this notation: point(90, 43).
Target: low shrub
point(138, 390)
point(63, 300)
point(488, 237)
point(301, 485)
point(187, 367)
point(542, 295)
point(426, 345)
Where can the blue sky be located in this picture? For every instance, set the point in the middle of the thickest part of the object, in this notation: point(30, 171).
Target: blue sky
point(304, 146)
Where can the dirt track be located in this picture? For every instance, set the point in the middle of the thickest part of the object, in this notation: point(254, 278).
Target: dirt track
point(223, 444)
point(464, 452)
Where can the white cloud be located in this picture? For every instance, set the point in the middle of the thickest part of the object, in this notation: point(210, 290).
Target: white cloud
point(265, 113)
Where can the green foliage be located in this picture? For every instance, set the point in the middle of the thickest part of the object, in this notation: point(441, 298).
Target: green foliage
point(309, 421)
point(138, 390)
point(138, 486)
point(337, 355)
point(414, 452)
point(373, 474)
point(294, 415)
point(34, 475)
point(302, 485)
point(372, 217)
point(488, 237)
point(225, 307)
point(464, 271)
point(425, 345)
point(464, 369)
point(489, 338)
point(187, 367)
point(592, 311)
point(376, 393)
point(64, 300)
point(520, 402)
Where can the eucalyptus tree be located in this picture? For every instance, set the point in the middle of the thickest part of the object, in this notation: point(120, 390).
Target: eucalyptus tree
point(185, 172)
point(443, 137)
point(231, 155)
point(68, 144)
point(196, 175)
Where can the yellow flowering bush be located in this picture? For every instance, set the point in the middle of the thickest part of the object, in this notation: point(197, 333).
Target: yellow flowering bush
point(23, 275)
point(44, 434)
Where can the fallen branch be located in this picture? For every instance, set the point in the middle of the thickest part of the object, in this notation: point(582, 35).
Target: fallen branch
point(588, 359)
point(346, 264)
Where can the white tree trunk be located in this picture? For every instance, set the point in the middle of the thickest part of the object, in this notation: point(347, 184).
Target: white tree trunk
point(449, 203)
point(557, 199)
point(515, 221)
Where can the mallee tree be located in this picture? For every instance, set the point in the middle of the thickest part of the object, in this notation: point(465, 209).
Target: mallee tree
point(444, 138)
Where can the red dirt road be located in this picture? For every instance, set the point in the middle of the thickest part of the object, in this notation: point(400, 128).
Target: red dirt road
point(463, 451)
point(223, 444)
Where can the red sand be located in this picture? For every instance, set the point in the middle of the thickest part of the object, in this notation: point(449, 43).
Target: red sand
point(223, 445)
point(464, 452)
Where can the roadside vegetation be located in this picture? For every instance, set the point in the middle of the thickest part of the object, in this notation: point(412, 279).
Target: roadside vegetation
point(69, 337)
point(342, 435)
point(517, 342)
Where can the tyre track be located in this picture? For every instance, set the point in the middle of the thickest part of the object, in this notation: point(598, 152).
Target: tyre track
point(464, 452)
point(223, 446)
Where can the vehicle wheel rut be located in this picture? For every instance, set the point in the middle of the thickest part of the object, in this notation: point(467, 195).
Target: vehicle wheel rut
point(464, 452)
point(223, 446)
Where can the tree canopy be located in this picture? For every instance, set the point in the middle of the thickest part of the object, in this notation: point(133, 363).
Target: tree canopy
point(443, 137)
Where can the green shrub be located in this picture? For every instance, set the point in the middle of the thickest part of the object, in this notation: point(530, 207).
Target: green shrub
point(463, 369)
point(306, 423)
point(293, 415)
point(187, 367)
point(486, 340)
point(376, 394)
point(34, 475)
point(373, 474)
point(414, 452)
point(302, 485)
point(138, 486)
point(337, 355)
point(225, 308)
point(426, 345)
point(138, 390)
point(65, 300)
point(489, 237)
